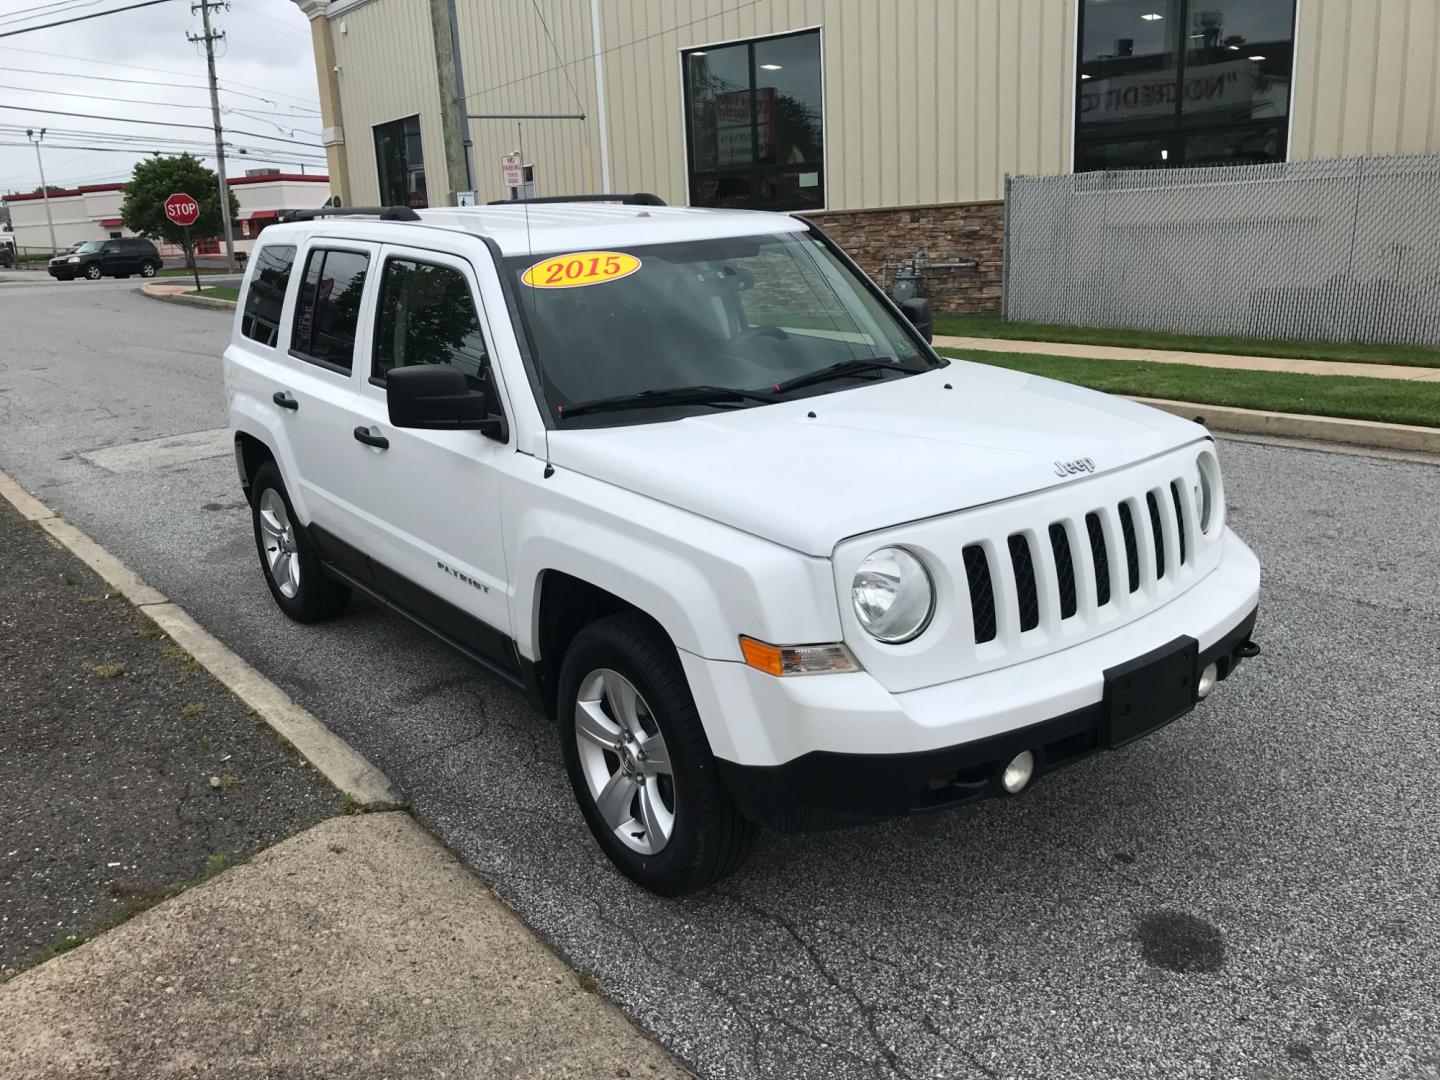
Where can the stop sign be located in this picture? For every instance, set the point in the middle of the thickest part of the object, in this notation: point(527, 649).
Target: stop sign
point(181, 209)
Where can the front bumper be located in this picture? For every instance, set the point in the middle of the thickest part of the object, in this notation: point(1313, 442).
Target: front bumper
point(803, 753)
point(61, 272)
point(824, 789)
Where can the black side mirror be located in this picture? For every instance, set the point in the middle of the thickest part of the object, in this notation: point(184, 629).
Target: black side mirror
point(917, 310)
point(438, 397)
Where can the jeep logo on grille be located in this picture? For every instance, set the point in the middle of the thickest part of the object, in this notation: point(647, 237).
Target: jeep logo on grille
point(1073, 468)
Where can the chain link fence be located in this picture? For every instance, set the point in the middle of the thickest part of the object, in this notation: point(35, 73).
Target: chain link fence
point(1345, 249)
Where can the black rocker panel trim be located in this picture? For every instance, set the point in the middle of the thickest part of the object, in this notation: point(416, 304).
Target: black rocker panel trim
point(476, 639)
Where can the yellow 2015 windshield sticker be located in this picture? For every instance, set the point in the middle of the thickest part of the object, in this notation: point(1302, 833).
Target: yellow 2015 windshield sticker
point(580, 268)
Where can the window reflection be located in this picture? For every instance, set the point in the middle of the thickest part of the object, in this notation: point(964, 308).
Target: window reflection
point(755, 130)
point(1152, 72)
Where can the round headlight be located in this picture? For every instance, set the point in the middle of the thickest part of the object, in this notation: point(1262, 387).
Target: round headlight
point(1210, 502)
point(893, 595)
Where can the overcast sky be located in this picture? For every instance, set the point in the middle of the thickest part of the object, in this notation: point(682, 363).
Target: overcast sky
point(265, 55)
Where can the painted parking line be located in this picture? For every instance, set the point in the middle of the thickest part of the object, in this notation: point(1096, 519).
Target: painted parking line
point(167, 450)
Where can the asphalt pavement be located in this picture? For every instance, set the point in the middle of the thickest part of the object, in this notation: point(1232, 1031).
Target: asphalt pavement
point(1250, 893)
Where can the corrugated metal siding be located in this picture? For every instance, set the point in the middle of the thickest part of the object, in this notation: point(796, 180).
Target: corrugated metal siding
point(1366, 79)
point(387, 71)
point(510, 66)
point(926, 101)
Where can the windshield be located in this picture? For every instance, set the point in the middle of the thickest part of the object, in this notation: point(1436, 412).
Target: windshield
point(748, 313)
point(89, 246)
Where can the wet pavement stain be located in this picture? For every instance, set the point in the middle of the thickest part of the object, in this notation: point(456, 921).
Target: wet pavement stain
point(1179, 942)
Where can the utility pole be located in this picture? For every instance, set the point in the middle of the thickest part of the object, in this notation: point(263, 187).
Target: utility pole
point(44, 188)
point(209, 38)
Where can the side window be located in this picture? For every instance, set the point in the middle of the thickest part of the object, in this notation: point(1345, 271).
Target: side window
point(261, 321)
point(327, 312)
point(426, 315)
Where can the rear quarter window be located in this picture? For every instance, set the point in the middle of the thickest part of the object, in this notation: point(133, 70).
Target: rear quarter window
point(266, 294)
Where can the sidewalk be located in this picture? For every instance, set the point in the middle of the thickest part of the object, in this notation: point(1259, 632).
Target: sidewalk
point(359, 949)
point(1213, 360)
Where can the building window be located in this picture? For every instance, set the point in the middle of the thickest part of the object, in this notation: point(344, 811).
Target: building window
point(1183, 82)
point(755, 130)
point(400, 163)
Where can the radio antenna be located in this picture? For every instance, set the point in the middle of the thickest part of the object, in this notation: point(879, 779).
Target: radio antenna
point(529, 258)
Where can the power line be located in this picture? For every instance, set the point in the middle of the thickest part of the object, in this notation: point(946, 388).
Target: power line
point(82, 18)
point(100, 97)
point(148, 82)
point(59, 7)
point(159, 71)
point(615, 48)
point(154, 123)
point(555, 51)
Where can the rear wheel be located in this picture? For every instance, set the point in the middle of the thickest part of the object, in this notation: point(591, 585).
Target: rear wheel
point(639, 761)
point(147, 269)
point(92, 272)
point(292, 568)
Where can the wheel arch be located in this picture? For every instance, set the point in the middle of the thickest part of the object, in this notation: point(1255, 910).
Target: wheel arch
point(564, 605)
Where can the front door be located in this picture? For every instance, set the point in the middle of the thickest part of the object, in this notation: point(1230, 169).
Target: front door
point(438, 544)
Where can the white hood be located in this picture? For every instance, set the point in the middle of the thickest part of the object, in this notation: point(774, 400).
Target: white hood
point(879, 455)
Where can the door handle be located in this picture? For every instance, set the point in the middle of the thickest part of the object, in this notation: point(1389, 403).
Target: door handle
point(380, 442)
point(285, 399)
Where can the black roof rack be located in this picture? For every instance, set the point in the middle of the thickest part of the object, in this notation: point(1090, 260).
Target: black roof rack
point(635, 198)
point(384, 213)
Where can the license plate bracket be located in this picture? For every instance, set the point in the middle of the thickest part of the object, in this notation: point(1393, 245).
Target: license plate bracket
point(1150, 691)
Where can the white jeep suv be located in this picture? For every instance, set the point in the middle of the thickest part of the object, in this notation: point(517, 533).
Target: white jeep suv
point(697, 484)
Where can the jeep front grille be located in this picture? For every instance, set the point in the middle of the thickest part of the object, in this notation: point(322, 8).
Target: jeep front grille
point(1127, 562)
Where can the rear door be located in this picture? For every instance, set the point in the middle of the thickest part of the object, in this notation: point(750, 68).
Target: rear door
point(435, 495)
point(112, 259)
point(324, 348)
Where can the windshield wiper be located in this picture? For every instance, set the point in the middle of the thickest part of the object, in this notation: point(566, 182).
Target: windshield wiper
point(839, 371)
point(672, 395)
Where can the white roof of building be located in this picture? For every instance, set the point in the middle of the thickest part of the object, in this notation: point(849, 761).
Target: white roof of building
point(522, 228)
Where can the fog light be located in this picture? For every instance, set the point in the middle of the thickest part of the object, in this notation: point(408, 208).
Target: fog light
point(1018, 773)
point(1208, 679)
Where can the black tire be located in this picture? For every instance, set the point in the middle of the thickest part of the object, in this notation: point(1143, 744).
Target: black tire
point(710, 837)
point(92, 272)
point(147, 269)
point(318, 596)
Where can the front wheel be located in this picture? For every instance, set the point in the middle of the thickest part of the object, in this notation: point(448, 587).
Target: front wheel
point(292, 567)
point(639, 761)
point(92, 272)
point(147, 269)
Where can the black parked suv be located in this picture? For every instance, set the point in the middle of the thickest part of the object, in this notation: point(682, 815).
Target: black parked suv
point(95, 259)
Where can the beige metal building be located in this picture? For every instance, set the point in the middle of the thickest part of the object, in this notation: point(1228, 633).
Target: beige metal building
point(894, 122)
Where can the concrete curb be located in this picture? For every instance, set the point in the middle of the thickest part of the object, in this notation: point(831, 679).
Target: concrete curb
point(1222, 361)
point(214, 303)
point(1369, 433)
point(331, 756)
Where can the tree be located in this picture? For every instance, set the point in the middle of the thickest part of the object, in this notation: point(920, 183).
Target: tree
point(53, 189)
point(155, 180)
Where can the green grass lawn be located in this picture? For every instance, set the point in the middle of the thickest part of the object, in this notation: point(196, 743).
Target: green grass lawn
point(993, 326)
point(184, 272)
point(1388, 400)
point(220, 292)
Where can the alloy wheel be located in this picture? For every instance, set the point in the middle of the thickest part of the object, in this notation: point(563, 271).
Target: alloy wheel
point(281, 555)
point(625, 761)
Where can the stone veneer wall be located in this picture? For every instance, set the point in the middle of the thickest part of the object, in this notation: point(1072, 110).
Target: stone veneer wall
point(947, 232)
